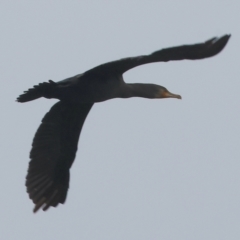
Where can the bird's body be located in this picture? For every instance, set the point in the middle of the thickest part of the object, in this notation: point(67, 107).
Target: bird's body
point(55, 143)
point(85, 88)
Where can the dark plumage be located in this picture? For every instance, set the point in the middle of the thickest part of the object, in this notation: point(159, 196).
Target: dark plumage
point(55, 143)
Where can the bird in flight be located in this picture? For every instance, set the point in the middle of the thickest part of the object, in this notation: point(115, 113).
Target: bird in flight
point(55, 143)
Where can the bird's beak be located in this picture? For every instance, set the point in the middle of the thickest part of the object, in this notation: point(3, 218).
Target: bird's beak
point(167, 94)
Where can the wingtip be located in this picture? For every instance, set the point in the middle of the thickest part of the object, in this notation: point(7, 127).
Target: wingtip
point(226, 36)
point(217, 44)
point(224, 40)
point(39, 204)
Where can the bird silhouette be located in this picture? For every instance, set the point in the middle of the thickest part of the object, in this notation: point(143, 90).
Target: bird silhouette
point(55, 142)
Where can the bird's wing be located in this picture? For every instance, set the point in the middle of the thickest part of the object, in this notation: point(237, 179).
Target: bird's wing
point(191, 52)
point(53, 151)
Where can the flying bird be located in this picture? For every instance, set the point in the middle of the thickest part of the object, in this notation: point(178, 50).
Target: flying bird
point(55, 143)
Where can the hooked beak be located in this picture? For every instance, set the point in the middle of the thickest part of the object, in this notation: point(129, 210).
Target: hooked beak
point(167, 94)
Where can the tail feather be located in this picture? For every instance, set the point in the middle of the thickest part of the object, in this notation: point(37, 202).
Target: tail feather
point(41, 90)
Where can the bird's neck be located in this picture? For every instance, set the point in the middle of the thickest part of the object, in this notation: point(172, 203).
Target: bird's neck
point(140, 90)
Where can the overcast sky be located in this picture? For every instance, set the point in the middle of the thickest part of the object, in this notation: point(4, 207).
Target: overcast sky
point(145, 169)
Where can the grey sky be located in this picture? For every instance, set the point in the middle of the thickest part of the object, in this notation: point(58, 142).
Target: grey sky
point(145, 169)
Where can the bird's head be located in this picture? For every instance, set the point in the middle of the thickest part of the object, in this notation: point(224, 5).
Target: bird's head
point(164, 93)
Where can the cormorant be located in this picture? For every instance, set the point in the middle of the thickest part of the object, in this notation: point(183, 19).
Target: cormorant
point(55, 143)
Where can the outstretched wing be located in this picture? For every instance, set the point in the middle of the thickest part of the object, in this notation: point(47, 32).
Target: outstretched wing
point(191, 52)
point(53, 151)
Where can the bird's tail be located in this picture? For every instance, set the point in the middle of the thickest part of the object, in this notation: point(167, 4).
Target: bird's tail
point(40, 90)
